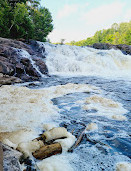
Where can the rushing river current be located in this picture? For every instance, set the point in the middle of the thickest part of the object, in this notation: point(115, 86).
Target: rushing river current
point(110, 71)
point(105, 108)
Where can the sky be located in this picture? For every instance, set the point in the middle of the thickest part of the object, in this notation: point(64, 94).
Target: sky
point(78, 19)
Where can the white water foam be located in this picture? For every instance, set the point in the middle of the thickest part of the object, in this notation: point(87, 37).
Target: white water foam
point(74, 60)
point(55, 163)
point(123, 166)
point(22, 107)
point(105, 107)
point(86, 158)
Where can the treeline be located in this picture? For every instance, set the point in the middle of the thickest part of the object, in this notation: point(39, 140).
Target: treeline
point(24, 19)
point(117, 34)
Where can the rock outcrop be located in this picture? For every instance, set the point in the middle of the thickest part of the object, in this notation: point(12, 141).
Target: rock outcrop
point(126, 49)
point(21, 60)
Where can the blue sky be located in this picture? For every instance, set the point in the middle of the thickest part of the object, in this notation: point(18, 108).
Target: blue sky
point(79, 19)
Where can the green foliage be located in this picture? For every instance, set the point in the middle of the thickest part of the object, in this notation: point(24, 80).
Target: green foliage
point(128, 37)
point(42, 23)
point(24, 19)
point(5, 17)
point(117, 34)
point(21, 25)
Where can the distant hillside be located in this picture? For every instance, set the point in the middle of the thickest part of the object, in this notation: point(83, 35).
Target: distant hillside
point(117, 34)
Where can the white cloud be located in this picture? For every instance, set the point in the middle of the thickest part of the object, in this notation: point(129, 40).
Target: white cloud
point(67, 11)
point(103, 13)
point(86, 22)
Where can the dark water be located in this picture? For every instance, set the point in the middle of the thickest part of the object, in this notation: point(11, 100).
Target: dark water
point(93, 154)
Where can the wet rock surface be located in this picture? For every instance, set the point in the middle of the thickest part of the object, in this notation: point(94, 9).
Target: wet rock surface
point(7, 80)
point(20, 60)
point(126, 49)
point(10, 159)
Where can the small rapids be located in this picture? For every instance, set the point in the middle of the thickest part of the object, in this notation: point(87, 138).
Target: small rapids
point(88, 88)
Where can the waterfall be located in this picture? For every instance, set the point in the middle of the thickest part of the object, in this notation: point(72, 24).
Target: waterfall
point(74, 60)
point(24, 54)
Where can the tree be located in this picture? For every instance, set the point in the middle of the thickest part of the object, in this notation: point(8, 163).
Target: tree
point(21, 25)
point(33, 3)
point(128, 37)
point(5, 17)
point(13, 3)
point(24, 19)
point(115, 27)
point(42, 20)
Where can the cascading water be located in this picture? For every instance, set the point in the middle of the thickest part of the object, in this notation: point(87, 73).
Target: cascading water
point(24, 54)
point(73, 60)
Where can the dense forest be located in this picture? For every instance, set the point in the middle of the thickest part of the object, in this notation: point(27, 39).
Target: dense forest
point(117, 34)
point(24, 19)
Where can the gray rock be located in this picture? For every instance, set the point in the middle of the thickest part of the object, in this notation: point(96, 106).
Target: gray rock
point(11, 159)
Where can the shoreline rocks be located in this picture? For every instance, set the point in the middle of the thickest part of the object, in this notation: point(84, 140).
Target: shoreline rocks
point(21, 60)
point(125, 49)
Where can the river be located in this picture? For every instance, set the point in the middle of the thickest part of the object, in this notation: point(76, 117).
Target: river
point(86, 88)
